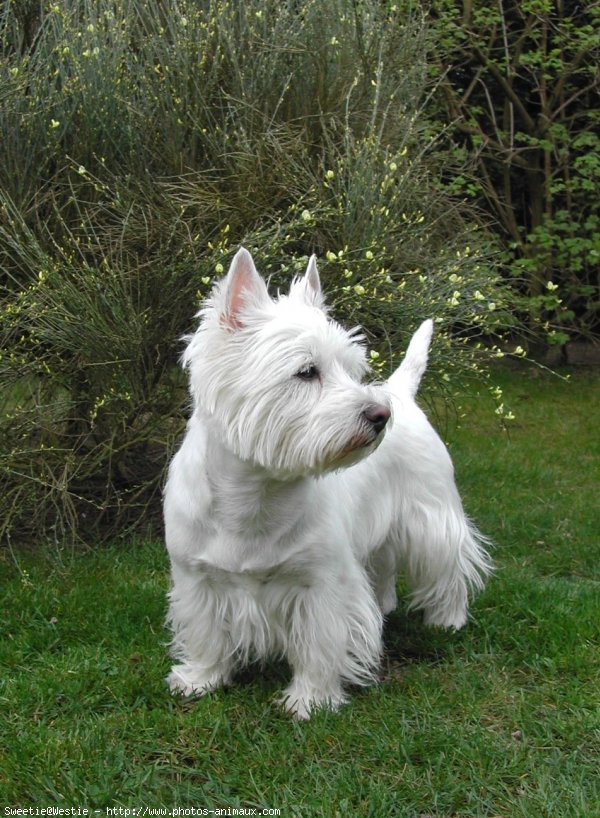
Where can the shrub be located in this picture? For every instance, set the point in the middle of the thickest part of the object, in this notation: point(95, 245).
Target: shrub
point(519, 94)
point(144, 142)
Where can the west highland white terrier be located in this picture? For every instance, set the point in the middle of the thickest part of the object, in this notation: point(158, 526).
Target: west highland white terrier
point(297, 495)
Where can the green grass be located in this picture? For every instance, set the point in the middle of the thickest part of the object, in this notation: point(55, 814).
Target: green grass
point(501, 719)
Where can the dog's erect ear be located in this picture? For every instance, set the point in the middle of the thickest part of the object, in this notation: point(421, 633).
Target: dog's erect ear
point(243, 287)
point(308, 288)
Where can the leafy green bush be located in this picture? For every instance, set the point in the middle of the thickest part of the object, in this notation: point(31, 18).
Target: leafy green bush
point(143, 143)
point(519, 95)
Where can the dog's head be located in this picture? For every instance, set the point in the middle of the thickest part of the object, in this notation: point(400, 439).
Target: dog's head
point(278, 380)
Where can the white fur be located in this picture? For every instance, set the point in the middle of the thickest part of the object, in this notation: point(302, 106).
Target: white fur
point(286, 520)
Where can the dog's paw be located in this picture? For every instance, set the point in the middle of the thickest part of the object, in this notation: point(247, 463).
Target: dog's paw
point(301, 701)
point(449, 619)
point(185, 680)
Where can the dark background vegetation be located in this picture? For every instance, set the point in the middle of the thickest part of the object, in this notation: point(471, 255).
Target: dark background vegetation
point(518, 87)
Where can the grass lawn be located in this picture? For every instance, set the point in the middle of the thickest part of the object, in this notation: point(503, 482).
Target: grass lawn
point(501, 719)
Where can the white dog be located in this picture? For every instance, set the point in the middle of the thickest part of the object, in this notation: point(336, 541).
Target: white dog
point(297, 495)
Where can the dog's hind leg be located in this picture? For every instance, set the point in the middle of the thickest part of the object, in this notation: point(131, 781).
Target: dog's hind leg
point(382, 567)
point(445, 559)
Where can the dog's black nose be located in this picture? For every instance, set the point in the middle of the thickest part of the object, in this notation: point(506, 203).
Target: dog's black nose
point(378, 415)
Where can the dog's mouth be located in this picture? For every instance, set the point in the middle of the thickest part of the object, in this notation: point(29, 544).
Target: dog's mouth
point(357, 449)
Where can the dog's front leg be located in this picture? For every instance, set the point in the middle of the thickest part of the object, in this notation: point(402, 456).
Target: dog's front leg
point(201, 639)
point(334, 637)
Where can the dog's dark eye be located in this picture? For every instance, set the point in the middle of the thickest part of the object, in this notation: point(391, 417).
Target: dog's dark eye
point(308, 373)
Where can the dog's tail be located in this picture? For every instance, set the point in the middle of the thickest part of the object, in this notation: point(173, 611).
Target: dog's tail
point(408, 375)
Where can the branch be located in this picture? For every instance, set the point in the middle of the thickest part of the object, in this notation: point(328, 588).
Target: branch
point(571, 99)
point(570, 69)
point(503, 210)
point(507, 88)
point(457, 111)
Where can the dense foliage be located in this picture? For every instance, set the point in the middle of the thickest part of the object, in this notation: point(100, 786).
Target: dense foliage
point(142, 142)
point(519, 94)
